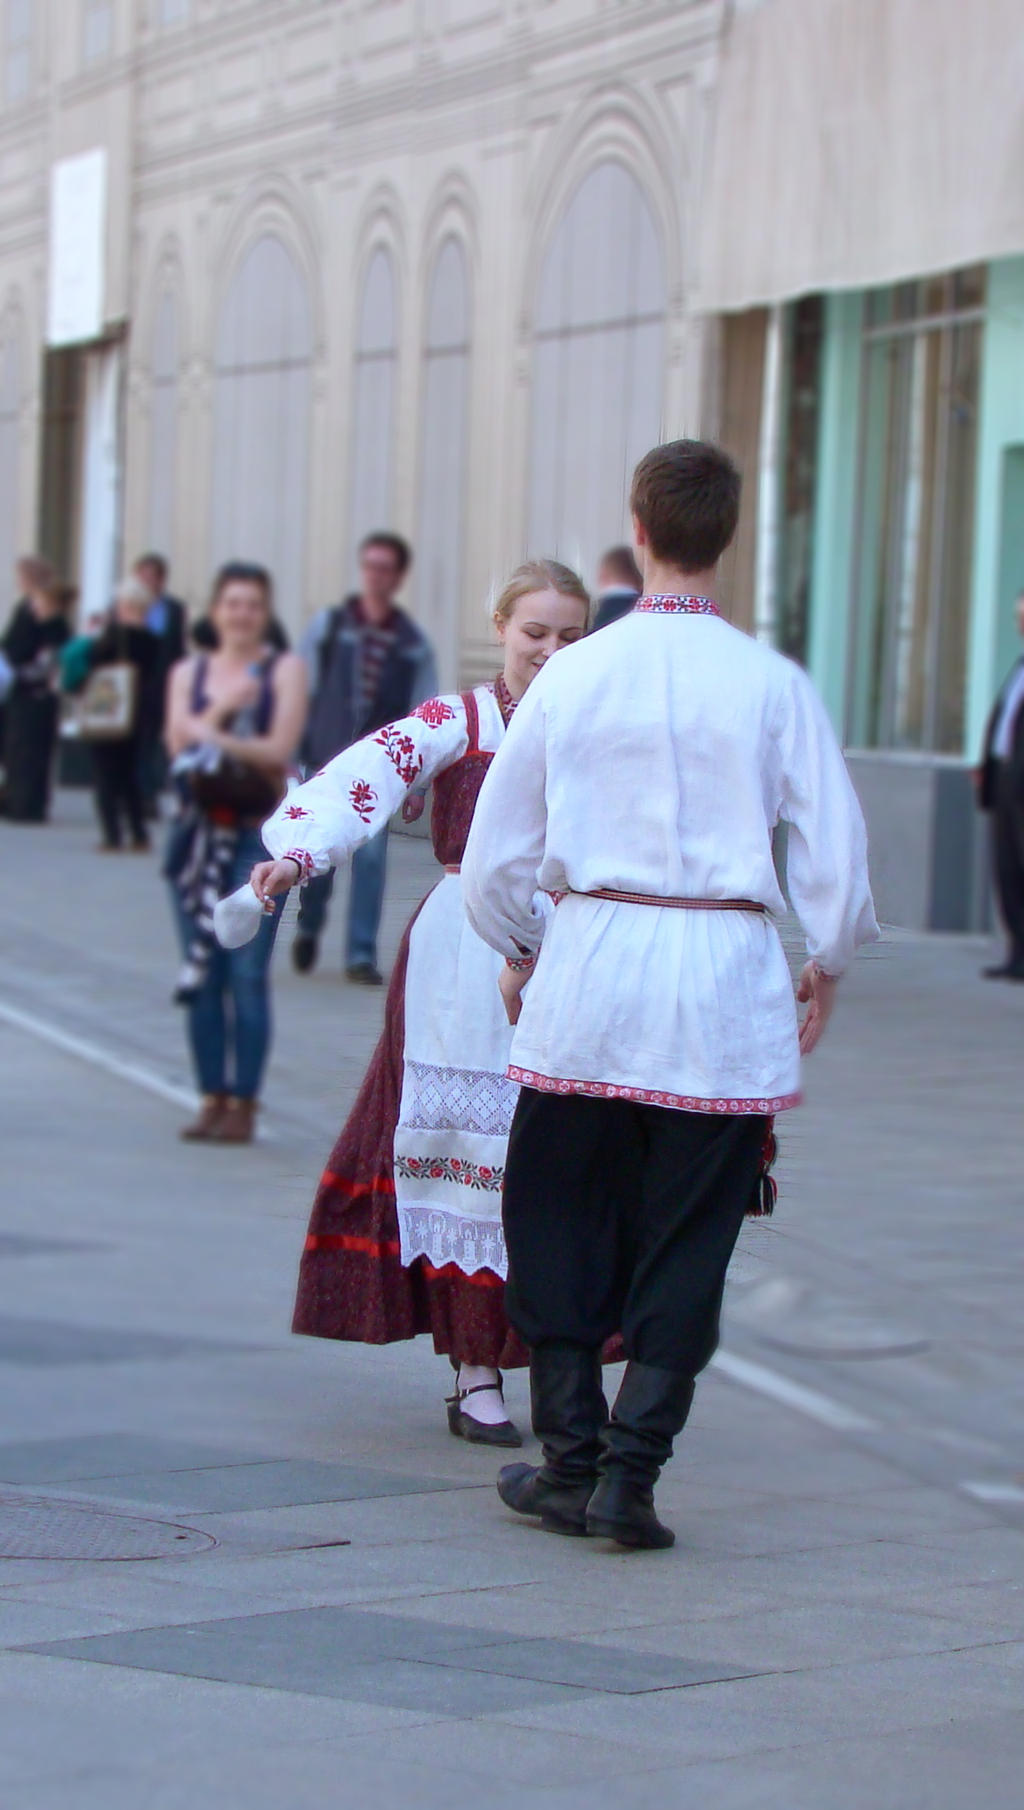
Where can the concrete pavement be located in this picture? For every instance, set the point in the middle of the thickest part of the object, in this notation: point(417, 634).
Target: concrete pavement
point(350, 1617)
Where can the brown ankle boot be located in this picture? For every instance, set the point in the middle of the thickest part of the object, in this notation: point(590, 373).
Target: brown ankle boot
point(237, 1122)
point(204, 1127)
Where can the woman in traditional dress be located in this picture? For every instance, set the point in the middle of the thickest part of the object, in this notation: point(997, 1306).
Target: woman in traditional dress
point(405, 1235)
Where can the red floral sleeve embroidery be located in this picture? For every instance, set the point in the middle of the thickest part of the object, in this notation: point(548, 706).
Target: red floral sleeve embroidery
point(434, 712)
point(296, 810)
point(362, 798)
point(401, 750)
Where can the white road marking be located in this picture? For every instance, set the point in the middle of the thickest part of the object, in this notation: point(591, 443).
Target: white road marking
point(994, 1492)
point(815, 1406)
point(97, 1056)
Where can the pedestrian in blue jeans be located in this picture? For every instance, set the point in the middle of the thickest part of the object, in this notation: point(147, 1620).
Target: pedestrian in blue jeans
point(369, 664)
point(234, 719)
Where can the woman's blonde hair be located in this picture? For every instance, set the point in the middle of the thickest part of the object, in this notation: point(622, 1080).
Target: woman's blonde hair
point(539, 575)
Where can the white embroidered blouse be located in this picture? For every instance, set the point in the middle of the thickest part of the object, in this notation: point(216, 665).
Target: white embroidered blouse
point(319, 823)
point(656, 758)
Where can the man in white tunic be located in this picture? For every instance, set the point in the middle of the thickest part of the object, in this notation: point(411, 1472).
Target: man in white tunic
point(642, 778)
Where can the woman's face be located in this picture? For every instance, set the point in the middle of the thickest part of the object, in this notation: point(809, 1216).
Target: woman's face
point(241, 614)
point(541, 623)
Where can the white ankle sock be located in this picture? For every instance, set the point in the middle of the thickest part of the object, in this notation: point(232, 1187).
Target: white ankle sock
point(488, 1407)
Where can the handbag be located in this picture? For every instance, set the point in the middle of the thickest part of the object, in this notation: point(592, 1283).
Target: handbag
point(234, 785)
point(106, 708)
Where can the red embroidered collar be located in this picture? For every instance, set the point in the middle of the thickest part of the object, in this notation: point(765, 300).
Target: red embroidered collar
point(667, 604)
point(505, 701)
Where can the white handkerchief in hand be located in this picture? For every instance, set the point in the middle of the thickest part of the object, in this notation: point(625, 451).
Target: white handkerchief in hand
point(237, 918)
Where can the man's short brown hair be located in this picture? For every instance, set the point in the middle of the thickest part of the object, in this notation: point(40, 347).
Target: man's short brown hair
point(686, 497)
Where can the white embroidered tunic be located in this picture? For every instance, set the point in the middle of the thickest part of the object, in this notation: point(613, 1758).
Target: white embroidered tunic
point(457, 1100)
point(657, 758)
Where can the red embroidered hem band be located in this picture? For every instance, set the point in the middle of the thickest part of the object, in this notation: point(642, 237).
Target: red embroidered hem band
point(648, 1096)
point(651, 898)
point(520, 964)
point(450, 1169)
point(452, 867)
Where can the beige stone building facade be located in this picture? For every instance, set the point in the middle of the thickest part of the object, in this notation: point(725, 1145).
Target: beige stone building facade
point(275, 272)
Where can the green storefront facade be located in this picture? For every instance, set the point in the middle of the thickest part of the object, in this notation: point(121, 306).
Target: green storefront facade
point(863, 252)
point(917, 559)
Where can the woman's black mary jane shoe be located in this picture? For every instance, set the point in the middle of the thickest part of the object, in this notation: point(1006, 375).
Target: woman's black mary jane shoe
point(463, 1426)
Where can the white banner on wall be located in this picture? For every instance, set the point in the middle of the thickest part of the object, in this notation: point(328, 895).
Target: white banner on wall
point(78, 215)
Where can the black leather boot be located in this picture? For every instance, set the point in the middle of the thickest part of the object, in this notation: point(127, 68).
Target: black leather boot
point(651, 1408)
point(569, 1413)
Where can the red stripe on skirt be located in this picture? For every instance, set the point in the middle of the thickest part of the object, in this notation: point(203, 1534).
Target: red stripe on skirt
point(342, 1184)
point(347, 1241)
point(390, 1247)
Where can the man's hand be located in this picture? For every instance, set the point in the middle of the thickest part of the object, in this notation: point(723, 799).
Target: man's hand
point(268, 878)
point(820, 990)
point(412, 809)
point(510, 985)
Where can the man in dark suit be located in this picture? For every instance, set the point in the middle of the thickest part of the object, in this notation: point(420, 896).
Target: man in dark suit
point(618, 586)
point(166, 619)
point(1001, 791)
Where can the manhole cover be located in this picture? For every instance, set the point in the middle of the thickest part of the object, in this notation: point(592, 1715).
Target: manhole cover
point(36, 1527)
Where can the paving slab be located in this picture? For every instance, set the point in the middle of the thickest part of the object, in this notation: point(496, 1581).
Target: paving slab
point(323, 1650)
point(788, 1710)
point(58, 1343)
point(22, 1244)
point(261, 1778)
point(110, 1455)
point(968, 1762)
point(275, 1483)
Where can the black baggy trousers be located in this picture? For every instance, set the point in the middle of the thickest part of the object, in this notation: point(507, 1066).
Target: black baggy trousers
point(623, 1218)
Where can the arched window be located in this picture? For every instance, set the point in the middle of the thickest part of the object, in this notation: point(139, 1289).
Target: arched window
point(373, 402)
point(443, 455)
point(598, 366)
point(163, 423)
point(10, 434)
point(262, 358)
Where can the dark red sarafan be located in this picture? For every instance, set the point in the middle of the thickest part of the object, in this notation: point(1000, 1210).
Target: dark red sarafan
point(352, 1284)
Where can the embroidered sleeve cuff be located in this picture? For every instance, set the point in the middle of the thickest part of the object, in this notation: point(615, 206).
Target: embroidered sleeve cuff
point(303, 861)
point(520, 964)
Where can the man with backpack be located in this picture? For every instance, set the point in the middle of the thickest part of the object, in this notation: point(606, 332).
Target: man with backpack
point(369, 664)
